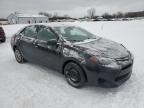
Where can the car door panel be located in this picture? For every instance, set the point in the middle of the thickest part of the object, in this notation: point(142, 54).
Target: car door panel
point(48, 54)
point(27, 46)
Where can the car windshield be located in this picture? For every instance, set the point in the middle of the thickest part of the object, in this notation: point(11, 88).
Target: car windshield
point(74, 34)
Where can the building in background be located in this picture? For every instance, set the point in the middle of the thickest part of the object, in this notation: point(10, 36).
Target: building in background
point(18, 18)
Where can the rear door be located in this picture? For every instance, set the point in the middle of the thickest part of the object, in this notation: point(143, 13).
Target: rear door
point(28, 37)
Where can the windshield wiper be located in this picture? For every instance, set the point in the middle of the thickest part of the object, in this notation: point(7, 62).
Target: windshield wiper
point(76, 40)
point(92, 38)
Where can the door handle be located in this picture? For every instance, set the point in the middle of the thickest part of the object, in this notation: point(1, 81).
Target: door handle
point(35, 42)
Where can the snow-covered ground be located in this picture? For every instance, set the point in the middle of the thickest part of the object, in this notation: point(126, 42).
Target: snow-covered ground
point(33, 86)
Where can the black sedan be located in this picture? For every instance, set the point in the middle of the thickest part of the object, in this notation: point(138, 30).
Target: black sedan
point(78, 54)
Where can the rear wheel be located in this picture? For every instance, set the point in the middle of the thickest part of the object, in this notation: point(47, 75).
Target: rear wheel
point(19, 56)
point(74, 75)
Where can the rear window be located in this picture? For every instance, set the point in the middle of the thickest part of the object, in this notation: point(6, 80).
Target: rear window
point(29, 31)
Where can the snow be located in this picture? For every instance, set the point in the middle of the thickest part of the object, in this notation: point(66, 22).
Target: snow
point(33, 86)
point(10, 30)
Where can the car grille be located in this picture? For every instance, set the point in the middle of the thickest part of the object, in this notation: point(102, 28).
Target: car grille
point(122, 59)
point(125, 62)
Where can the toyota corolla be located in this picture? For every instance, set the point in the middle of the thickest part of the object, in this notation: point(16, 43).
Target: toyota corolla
point(78, 54)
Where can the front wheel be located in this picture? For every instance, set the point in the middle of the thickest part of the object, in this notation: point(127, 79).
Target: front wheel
point(19, 56)
point(74, 75)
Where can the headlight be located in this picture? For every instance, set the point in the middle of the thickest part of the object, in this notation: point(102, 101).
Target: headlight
point(108, 62)
point(101, 60)
point(105, 61)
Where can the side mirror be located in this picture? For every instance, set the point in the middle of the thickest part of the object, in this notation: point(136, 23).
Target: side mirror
point(52, 42)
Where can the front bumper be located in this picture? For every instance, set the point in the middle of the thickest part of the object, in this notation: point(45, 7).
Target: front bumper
point(109, 77)
point(114, 77)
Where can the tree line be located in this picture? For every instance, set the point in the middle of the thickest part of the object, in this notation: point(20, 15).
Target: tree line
point(91, 13)
point(123, 15)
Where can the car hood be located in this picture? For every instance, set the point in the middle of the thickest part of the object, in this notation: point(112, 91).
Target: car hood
point(105, 48)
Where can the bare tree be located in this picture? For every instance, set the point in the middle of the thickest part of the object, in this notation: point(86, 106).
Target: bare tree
point(66, 16)
point(45, 14)
point(91, 12)
point(40, 13)
point(120, 15)
point(114, 15)
point(55, 14)
point(107, 15)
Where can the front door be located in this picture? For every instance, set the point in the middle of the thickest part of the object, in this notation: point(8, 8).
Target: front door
point(49, 55)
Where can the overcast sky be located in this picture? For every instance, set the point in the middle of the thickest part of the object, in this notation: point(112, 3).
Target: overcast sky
point(74, 8)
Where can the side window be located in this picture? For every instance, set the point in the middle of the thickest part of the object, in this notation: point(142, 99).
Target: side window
point(29, 31)
point(45, 34)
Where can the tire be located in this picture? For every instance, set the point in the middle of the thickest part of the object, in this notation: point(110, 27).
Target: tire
point(74, 75)
point(19, 56)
